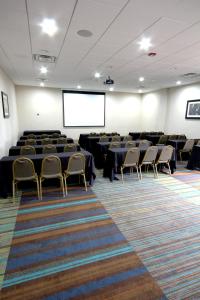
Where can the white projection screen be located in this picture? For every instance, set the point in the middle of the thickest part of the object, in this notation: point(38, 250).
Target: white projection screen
point(83, 109)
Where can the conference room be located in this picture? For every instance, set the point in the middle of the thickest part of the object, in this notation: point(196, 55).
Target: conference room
point(99, 149)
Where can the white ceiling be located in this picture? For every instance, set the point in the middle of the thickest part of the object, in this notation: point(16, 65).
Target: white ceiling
point(117, 26)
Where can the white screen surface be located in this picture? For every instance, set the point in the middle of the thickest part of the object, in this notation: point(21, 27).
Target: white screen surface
point(83, 109)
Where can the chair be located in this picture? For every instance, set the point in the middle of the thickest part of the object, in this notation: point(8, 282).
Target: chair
point(102, 133)
point(62, 140)
point(30, 142)
point(23, 170)
point(142, 135)
point(49, 149)
point(92, 134)
point(55, 135)
point(27, 149)
point(31, 136)
point(114, 145)
point(46, 141)
point(187, 147)
point(104, 138)
point(163, 139)
point(70, 148)
point(44, 136)
point(116, 138)
point(173, 137)
point(149, 159)
point(144, 143)
point(114, 133)
point(51, 168)
point(131, 161)
point(198, 143)
point(127, 138)
point(76, 166)
point(164, 158)
point(130, 144)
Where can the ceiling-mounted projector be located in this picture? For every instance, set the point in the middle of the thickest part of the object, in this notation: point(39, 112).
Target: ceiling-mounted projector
point(109, 81)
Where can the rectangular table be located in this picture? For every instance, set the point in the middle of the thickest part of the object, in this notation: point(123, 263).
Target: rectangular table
point(39, 141)
point(194, 160)
point(15, 150)
point(7, 161)
point(39, 132)
point(115, 158)
point(25, 137)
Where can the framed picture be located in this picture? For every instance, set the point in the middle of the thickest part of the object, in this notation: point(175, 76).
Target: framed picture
point(193, 109)
point(5, 105)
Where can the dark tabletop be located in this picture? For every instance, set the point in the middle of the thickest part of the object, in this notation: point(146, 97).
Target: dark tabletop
point(25, 137)
point(39, 141)
point(39, 132)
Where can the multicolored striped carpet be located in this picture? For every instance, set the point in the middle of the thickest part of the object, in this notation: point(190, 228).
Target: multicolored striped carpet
point(161, 220)
point(70, 248)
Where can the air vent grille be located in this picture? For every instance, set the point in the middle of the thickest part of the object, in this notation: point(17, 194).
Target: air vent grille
point(44, 58)
point(191, 75)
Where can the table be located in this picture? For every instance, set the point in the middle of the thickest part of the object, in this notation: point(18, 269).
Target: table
point(39, 132)
point(154, 138)
point(7, 161)
point(25, 137)
point(194, 160)
point(39, 141)
point(15, 150)
point(83, 142)
point(115, 158)
point(91, 141)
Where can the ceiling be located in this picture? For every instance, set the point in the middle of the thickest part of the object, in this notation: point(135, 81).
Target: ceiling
point(113, 49)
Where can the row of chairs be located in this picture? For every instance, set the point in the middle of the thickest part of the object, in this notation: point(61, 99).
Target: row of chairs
point(164, 138)
point(43, 136)
point(187, 148)
point(130, 144)
point(115, 138)
point(46, 141)
point(132, 159)
point(24, 170)
point(49, 148)
point(102, 133)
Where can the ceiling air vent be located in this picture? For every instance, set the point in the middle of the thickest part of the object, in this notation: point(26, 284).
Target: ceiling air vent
point(191, 75)
point(44, 58)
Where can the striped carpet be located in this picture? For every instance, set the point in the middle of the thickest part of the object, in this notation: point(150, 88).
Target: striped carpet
point(71, 249)
point(161, 220)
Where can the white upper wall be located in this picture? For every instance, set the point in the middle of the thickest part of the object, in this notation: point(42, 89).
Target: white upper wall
point(42, 108)
point(8, 126)
point(177, 101)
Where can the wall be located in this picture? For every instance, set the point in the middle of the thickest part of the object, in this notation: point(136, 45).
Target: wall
point(8, 126)
point(177, 101)
point(41, 108)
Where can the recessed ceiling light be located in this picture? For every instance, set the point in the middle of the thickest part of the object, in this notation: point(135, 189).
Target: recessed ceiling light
point(79, 87)
point(141, 79)
point(84, 33)
point(178, 82)
point(49, 26)
point(111, 89)
point(97, 75)
point(145, 43)
point(43, 70)
point(139, 91)
point(42, 84)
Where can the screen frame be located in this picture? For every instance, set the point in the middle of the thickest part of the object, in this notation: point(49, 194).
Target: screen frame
point(83, 92)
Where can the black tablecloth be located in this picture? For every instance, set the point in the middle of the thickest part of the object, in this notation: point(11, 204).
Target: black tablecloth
point(39, 132)
point(136, 135)
point(15, 150)
point(83, 139)
point(194, 161)
point(7, 161)
point(39, 141)
point(115, 158)
point(25, 137)
point(154, 138)
point(91, 141)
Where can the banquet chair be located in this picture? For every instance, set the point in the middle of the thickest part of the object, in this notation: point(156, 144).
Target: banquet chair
point(46, 141)
point(30, 142)
point(23, 170)
point(144, 143)
point(51, 168)
point(55, 135)
point(187, 148)
point(104, 138)
point(49, 148)
point(62, 140)
point(127, 138)
point(27, 150)
point(131, 161)
point(31, 136)
point(116, 138)
point(163, 139)
point(164, 158)
point(44, 136)
point(70, 147)
point(130, 144)
point(149, 159)
point(181, 137)
point(114, 145)
point(76, 166)
point(173, 137)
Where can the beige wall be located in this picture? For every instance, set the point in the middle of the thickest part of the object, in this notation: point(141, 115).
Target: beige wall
point(8, 126)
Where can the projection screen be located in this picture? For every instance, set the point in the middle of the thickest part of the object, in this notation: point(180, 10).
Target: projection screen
point(83, 109)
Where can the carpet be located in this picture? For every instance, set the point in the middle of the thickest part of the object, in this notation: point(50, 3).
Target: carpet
point(70, 248)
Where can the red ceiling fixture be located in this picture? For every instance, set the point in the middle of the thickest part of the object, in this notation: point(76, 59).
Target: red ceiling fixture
point(152, 54)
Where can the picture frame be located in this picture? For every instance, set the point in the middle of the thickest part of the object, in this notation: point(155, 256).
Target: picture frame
point(193, 109)
point(5, 105)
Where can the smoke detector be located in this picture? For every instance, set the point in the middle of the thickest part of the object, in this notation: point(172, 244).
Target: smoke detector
point(44, 58)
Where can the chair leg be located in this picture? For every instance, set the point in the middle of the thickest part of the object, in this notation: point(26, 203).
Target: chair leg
point(122, 174)
point(137, 173)
point(140, 167)
point(13, 191)
point(85, 182)
point(65, 184)
point(156, 170)
point(62, 185)
point(169, 168)
point(38, 190)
